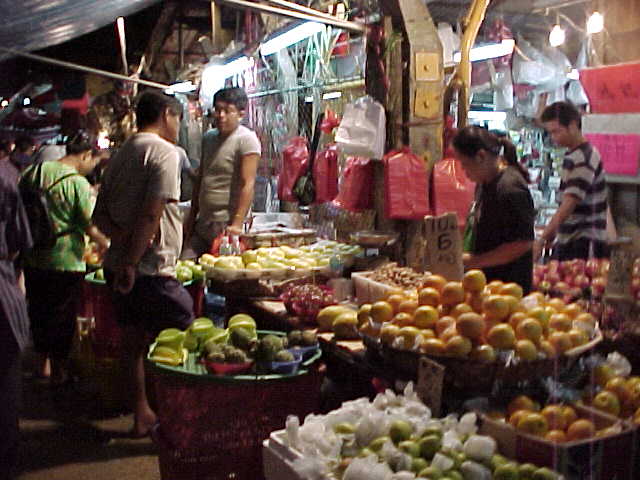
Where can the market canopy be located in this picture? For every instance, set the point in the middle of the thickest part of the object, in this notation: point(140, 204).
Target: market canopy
point(35, 24)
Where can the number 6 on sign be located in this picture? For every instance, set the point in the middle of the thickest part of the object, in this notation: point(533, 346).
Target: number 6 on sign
point(443, 246)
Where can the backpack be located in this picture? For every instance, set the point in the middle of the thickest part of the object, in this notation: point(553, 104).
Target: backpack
point(37, 201)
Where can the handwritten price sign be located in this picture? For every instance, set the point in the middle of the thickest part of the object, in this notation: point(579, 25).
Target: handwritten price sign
point(443, 246)
point(613, 89)
point(619, 152)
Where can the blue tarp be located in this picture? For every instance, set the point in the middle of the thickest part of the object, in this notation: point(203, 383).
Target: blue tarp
point(29, 25)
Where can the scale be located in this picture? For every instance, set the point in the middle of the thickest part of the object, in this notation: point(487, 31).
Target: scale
point(373, 242)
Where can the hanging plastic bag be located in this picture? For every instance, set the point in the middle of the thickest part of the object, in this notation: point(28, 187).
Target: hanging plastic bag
point(362, 129)
point(575, 91)
point(405, 181)
point(325, 174)
point(294, 163)
point(454, 192)
point(356, 189)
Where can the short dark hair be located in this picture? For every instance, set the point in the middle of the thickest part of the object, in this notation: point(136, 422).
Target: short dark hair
point(152, 104)
point(24, 143)
point(81, 142)
point(563, 112)
point(5, 146)
point(235, 96)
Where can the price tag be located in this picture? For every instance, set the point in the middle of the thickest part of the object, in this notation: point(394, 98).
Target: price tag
point(443, 246)
point(430, 381)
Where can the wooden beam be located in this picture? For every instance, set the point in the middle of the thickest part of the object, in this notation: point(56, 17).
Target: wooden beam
point(159, 34)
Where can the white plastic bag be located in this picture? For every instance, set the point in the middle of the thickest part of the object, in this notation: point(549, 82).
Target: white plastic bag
point(362, 130)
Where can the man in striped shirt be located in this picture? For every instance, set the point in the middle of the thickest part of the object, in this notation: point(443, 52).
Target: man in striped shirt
point(579, 226)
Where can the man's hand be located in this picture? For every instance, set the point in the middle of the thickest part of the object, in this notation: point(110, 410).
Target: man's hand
point(538, 247)
point(125, 277)
point(233, 230)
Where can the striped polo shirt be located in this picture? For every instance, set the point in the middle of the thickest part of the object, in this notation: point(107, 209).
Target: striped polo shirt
point(583, 176)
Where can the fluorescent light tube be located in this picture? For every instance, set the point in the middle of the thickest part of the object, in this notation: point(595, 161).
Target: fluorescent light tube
point(291, 37)
point(181, 87)
point(487, 115)
point(493, 50)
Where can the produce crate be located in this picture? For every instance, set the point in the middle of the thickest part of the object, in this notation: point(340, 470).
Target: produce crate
point(105, 333)
point(211, 428)
point(600, 458)
point(276, 237)
point(369, 291)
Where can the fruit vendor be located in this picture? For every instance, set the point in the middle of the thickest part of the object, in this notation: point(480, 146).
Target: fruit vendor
point(223, 191)
point(499, 234)
point(138, 208)
point(15, 239)
point(579, 226)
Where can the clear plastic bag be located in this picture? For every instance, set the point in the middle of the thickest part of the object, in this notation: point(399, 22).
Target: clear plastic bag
point(362, 131)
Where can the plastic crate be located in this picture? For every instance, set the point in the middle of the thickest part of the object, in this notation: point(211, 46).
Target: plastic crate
point(105, 334)
point(370, 291)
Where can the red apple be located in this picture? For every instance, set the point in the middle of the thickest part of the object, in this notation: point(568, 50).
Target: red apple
point(554, 265)
point(592, 267)
point(581, 281)
point(598, 285)
point(552, 277)
point(544, 286)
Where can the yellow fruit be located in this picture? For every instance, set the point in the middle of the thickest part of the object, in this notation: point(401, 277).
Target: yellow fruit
point(435, 281)
point(408, 306)
point(516, 416)
point(483, 353)
point(429, 296)
point(512, 289)
point(534, 424)
point(471, 325)
point(448, 333)
point(536, 297)
point(433, 346)
point(530, 329)
point(494, 286)
point(328, 315)
point(476, 300)
point(409, 334)
point(395, 300)
point(557, 304)
point(539, 314)
point(427, 333)
point(444, 323)
point(514, 304)
point(578, 337)
point(403, 319)
point(459, 309)
point(364, 313)
point(555, 417)
point(521, 402)
point(495, 307)
point(580, 429)
point(561, 322)
point(526, 350)
point(369, 328)
point(572, 310)
point(474, 281)
point(425, 316)
point(345, 326)
point(586, 318)
point(388, 333)
point(602, 373)
point(501, 337)
point(561, 342)
point(458, 346)
point(381, 312)
point(548, 349)
point(516, 318)
point(607, 402)
point(618, 386)
point(570, 415)
point(452, 294)
point(556, 436)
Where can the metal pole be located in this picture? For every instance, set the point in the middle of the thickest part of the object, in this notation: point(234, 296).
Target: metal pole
point(559, 5)
point(82, 68)
point(123, 44)
point(303, 9)
point(258, 7)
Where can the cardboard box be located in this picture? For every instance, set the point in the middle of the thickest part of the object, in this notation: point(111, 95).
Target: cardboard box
point(605, 458)
point(369, 291)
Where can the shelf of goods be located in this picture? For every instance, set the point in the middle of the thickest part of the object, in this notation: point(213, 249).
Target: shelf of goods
point(220, 392)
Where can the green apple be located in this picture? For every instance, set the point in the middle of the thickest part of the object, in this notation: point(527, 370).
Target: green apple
point(377, 443)
point(544, 474)
point(432, 473)
point(198, 273)
point(184, 274)
point(418, 464)
point(400, 431)
point(429, 446)
point(507, 471)
point(526, 471)
point(229, 263)
point(207, 259)
point(188, 263)
point(410, 447)
point(99, 275)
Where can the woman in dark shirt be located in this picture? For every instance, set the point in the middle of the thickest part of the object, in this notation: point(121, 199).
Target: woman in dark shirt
point(502, 216)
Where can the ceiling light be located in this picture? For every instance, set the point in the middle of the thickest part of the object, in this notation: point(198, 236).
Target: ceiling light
point(487, 115)
point(493, 50)
point(556, 36)
point(595, 23)
point(331, 95)
point(26, 101)
point(5, 103)
point(291, 37)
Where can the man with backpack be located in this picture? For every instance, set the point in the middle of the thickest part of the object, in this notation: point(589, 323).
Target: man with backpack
point(59, 205)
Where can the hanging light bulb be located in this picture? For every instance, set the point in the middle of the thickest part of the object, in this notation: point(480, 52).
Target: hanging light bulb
point(557, 36)
point(595, 23)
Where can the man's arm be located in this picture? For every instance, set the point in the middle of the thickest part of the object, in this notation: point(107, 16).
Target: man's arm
point(503, 254)
point(102, 220)
point(247, 183)
point(97, 236)
point(195, 205)
point(566, 208)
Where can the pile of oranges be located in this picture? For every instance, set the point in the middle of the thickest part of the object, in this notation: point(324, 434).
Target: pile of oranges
point(473, 319)
point(557, 423)
point(614, 394)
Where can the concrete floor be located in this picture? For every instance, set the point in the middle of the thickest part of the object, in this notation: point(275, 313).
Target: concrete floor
point(74, 432)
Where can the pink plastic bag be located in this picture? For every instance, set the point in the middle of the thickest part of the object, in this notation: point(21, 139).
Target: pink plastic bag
point(453, 190)
point(406, 189)
point(325, 174)
point(356, 189)
point(294, 163)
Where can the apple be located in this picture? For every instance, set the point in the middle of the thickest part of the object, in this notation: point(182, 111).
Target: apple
point(592, 267)
point(553, 277)
point(635, 286)
point(598, 286)
point(607, 402)
point(544, 286)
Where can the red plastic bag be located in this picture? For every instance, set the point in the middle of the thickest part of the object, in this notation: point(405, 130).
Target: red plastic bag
point(356, 189)
point(329, 122)
point(294, 163)
point(454, 192)
point(406, 188)
point(325, 174)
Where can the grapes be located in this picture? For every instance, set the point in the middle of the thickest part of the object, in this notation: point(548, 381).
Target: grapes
point(307, 300)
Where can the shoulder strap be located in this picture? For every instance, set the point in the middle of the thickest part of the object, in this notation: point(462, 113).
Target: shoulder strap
point(64, 177)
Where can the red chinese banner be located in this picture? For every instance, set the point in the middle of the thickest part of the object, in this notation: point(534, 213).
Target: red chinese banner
point(613, 89)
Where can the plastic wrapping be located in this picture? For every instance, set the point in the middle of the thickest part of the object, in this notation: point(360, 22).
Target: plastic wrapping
point(294, 163)
point(546, 69)
point(454, 192)
point(325, 174)
point(405, 182)
point(362, 129)
point(356, 189)
point(35, 24)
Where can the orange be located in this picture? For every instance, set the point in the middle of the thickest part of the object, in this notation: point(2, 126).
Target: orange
point(443, 323)
point(476, 300)
point(569, 414)
point(521, 402)
point(516, 318)
point(433, 346)
point(408, 306)
point(560, 321)
point(403, 319)
point(618, 385)
point(364, 313)
point(501, 337)
point(409, 334)
point(459, 309)
point(381, 312)
point(512, 289)
point(548, 349)
point(555, 417)
point(483, 353)
point(388, 333)
point(557, 304)
point(572, 310)
point(425, 317)
point(556, 436)
point(429, 296)
point(495, 307)
point(474, 281)
point(494, 286)
point(538, 297)
point(607, 402)
point(539, 314)
point(580, 430)
point(427, 333)
point(435, 281)
point(602, 373)
point(395, 300)
point(578, 337)
point(458, 346)
point(470, 325)
point(514, 304)
point(516, 416)
point(586, 318)
point(533, 423)
point(631, 381)
point(530, 329)
point(526, 350)
point(561, 342)
point(452, 294)
point(448, 333)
